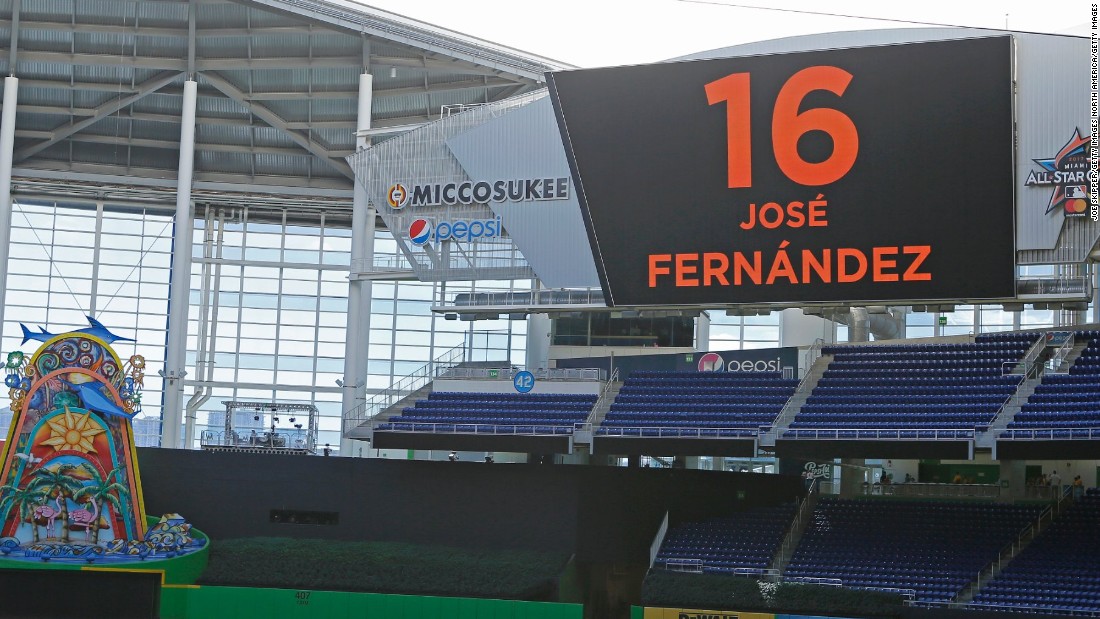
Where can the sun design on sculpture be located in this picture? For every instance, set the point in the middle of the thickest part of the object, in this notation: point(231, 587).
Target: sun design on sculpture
point(72, 432)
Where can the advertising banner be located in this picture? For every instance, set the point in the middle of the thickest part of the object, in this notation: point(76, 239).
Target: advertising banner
point(860, 174)
point(684, 613)
point(757, 360)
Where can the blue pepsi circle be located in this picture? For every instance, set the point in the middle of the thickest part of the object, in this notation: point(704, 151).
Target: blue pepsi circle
point(420, 230)
point(524, 381)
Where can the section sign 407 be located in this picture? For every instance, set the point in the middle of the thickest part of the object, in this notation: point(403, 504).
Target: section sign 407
point(861, 174)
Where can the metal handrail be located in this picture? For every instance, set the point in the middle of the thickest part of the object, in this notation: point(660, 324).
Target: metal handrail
point(403, 388)
point(1027, 364)
point(658, 540)
point(697, 566)
point(451, 427)
point(1009, 550)
point(924, 490)
point(814, 354)
point(1048, 434)
point(263, 440)
point(1035, 609)
point(1061, 353)
point(881, 434)
point(815, 580)
point(507, 373)
point(678, 432)
point(805, 509)
point(603, 396)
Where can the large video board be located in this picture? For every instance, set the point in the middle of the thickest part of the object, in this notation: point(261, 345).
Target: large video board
point(860, 174)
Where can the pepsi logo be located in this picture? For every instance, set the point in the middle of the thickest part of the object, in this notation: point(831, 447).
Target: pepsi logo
point(711, 362)
point(397, 196)
point(420, 230)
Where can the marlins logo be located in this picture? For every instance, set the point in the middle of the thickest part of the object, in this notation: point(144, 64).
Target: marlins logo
point(1067, 172)
point(420, 230)
point(397, 196)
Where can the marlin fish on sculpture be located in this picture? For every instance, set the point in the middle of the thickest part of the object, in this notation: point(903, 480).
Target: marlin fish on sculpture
point(94, 399)
point(97, 330)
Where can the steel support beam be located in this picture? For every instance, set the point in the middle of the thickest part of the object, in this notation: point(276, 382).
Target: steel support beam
point(359, 291)
point(179, 299)
point(7, 142)
point(106, 109)
point(276, 121)
point(13, 52)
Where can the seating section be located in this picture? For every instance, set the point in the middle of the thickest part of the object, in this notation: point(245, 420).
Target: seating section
point(912, 390)
point(697, 404)
point(933, 548)
point(1059, 571)
point(1064, 405)
point(742, 542)
point(494, 413)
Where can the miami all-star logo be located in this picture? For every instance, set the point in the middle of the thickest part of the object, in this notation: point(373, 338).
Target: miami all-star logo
point(1067, 172)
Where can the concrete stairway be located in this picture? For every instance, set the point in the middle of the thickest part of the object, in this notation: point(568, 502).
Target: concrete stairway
point(1008, 412)
point(599, 411)
point(1011, 552)
point(794, 534)
point(793, 405)
point(1075, 352)
point(400, 405)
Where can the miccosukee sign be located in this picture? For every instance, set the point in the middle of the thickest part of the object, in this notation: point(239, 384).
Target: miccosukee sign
point(862, 174)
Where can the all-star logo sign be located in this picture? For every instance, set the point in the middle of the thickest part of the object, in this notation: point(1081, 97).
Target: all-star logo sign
point(1067, 172)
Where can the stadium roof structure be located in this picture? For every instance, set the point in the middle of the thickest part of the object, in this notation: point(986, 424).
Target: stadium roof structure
point(101, 85)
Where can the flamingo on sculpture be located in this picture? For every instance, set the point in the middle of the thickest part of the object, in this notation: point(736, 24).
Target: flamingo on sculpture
point(49, 513)
point(84, 518)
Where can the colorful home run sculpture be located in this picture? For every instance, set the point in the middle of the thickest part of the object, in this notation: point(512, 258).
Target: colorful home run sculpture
point(69, 486)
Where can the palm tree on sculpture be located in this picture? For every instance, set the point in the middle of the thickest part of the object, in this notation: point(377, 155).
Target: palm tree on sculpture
point(102, 491)
point(23, 499)
point(58, 483)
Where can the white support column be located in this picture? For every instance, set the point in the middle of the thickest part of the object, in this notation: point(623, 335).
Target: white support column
point(180, 292)
point(7, 144)
point(359, 290)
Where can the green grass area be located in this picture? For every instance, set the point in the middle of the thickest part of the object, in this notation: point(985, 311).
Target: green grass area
point(384, 567)
point(720, 592)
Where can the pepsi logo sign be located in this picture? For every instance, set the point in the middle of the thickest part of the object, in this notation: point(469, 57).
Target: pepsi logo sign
point(711, 362)
point(420, 230)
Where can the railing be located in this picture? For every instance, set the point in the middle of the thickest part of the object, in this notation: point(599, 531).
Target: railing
point(262, 440)
point(693, 566)
point(1050, 610)
point(655, 546)
point(1061, 353)
point(892, 434)
point(801, 389)
point(403, 388)
point(604, 394)
point(1012, 548)
point(533, 298)
point(913, 489)
point(814, 354)
point(526, 429)
point(1026, 366)
point(814, 580)
point(1050, 434)
point(507, 373)
point(908, 595)
point(1048, 286)
point(655, 432)
point(805, 510)
point(381, 262)
point(697, 566)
